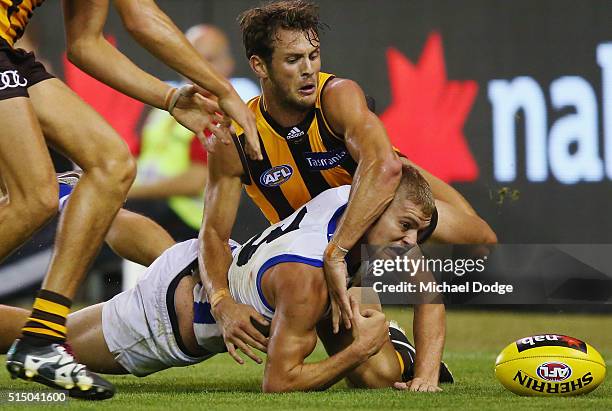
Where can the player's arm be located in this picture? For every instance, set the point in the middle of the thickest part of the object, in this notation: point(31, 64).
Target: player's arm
point(374, 183)
point(156, 32)
point(429, 325)
point(458, 222)
point(441, 190)
point(300, 300)
point(189, 183)
point(456, 226)
point(89, 50)
point(222, 198)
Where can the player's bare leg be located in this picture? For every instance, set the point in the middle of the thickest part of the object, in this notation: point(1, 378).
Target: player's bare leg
point(132, 236)
point(81, 134)
point(108, 172)
point(138, 238)
point(11, 321)
point(85, 336)
point(28, 178)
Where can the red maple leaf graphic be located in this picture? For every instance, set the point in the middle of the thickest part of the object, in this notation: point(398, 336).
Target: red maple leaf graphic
point(571, 341)
point(427, 113)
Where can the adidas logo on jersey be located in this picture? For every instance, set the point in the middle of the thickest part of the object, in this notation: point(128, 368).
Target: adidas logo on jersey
point(294, 133)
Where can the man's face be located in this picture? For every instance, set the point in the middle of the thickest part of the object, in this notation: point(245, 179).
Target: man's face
point(398, 225)
point(294, 68)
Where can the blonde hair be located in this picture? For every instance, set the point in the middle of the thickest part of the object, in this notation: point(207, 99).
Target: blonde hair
point(415, 188)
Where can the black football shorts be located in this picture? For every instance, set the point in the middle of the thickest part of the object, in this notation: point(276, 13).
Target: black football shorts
point(18, 71)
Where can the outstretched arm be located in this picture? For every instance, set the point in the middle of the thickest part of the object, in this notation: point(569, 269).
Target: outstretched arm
point(152, 28)
point(300, 300)
point(456, 226)
point(157, 33)
point(429, 325)
point(458, 221)
point(190, 183)
point(222, 199)
point(374, 183)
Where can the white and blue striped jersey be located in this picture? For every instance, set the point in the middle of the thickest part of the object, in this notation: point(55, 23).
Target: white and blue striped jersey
point(302, 237)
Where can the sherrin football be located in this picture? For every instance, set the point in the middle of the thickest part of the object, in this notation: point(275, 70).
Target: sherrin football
point(550, 365)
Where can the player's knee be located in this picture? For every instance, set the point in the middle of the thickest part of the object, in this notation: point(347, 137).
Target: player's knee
point(123, 170)
point(129, 171)
point(116, 171)
point(40, 205)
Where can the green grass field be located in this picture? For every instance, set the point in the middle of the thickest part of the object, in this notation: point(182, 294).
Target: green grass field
point(473, 341)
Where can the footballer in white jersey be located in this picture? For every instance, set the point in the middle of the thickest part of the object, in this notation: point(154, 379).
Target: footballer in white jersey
point(301, 238)
point(141, 329)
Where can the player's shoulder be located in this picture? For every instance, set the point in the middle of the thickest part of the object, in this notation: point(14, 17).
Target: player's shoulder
point(342, 102)
point(295, 284)
point(338, 88)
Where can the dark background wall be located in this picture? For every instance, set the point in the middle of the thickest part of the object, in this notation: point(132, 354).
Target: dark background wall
point(483, 40)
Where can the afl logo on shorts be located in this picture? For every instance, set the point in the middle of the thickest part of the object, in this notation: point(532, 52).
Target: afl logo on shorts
point(276, 176)
point(11, 79)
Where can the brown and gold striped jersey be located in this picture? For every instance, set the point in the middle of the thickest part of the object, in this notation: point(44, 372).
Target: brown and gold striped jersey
point(14, 17)
point(299, 162)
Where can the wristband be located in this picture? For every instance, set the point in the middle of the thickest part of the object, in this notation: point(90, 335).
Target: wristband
point(338, 246)
point(171, 95)
point(178, 92)
point(218, 296)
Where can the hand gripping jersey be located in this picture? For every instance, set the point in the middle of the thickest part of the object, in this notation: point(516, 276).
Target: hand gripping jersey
point(301, 237)
point(14, 17)
point(299, 162)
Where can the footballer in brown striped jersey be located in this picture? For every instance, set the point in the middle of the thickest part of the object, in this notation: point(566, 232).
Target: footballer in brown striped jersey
point(316, 132)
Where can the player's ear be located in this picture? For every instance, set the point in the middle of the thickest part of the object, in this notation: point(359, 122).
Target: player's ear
point(259, 67)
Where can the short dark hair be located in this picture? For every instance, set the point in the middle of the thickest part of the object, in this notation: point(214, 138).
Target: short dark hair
point(415, 188)
point(259, 25)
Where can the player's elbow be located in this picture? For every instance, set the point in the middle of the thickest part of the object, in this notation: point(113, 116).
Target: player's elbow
point(76, 51)
point(278, 384)
point(141, 20)
point(480, 233)
point(269, 387)
point(136, 26)
point(285, 380)
point(488, 236)
point(388, 168)
point(491, 237)
point(212, 236)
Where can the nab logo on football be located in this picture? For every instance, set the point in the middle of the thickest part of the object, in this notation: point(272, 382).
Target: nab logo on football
point(554, 371)
point(550, 340)
point(276, 176)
